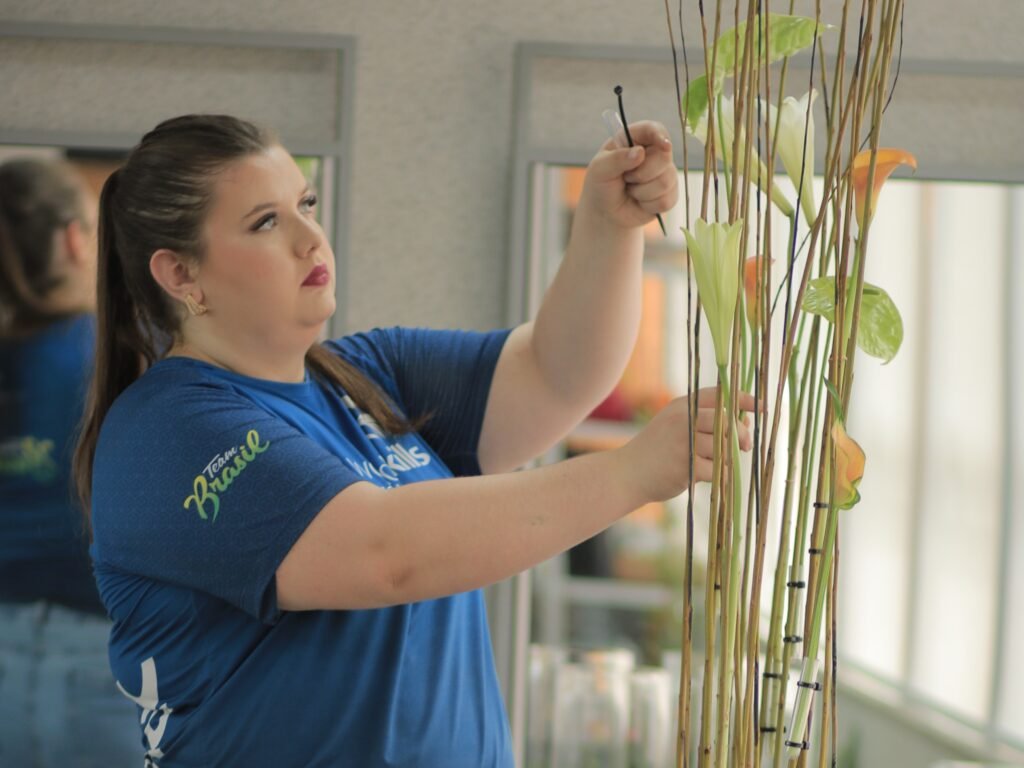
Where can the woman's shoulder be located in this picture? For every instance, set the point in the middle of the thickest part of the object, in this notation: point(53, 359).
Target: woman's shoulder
point(383, 350)
point(172, 380)
point(170, 395)
point(369, 347)
point(375, 352)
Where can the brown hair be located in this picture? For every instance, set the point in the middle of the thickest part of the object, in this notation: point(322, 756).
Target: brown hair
point(38, 198)
point(159, 199)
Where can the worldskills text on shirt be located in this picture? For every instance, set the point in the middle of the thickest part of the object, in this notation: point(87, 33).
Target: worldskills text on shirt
point(203, 481)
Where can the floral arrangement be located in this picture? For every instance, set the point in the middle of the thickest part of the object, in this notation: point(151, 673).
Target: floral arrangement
point(786, 327)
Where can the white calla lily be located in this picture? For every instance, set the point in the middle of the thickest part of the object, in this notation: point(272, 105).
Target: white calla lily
point(715, 253)
point(725, 125)
point(796, 154)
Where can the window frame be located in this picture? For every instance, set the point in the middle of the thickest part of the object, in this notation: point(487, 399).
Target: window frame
point(527, 195)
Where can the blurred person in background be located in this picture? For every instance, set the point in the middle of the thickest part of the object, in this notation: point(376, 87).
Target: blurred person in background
point(58, 705)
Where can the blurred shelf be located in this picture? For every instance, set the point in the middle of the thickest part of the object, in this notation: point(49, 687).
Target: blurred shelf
point(615, 593)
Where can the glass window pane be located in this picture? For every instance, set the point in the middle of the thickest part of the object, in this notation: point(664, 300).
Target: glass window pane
point(961, 489)
point(1012, 678)
point(876, 536)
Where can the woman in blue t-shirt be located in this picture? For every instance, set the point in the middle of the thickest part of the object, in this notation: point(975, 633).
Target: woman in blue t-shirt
point(58, 705)
point(291, 536)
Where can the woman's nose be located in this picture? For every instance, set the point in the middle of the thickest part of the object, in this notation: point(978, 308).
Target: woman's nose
point(309, 238)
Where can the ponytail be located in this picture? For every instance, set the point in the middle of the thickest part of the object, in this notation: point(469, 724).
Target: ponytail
point(20, 307)
point(122, 353)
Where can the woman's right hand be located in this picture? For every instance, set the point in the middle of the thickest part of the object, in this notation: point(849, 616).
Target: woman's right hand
point(657, 460)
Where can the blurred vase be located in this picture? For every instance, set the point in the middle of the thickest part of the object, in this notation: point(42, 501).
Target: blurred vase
point(651, 728)
point(592, 707)
point(545, 661)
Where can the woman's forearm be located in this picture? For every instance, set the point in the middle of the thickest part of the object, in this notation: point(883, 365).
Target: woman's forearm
point(466, 533)
point(371, 547)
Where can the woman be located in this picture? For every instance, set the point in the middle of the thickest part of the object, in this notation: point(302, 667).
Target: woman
point(58, 705)
point(292, 569)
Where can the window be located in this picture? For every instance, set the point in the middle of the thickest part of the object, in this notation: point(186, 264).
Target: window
point(931, 583)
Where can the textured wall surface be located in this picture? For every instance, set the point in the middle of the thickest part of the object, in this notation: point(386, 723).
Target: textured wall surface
point(433, 123)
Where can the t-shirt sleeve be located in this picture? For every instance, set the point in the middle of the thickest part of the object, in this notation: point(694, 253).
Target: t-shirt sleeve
point(200, 487)
point(444, 375)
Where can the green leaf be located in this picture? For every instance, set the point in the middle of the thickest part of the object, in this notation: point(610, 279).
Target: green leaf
point(695, 101)
point(880, 330)
point(786, 36)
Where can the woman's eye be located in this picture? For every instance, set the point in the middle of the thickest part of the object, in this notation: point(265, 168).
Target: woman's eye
point(265, 223)
point(308, 203)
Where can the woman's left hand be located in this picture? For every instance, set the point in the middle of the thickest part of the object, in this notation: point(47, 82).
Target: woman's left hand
point(628, 186)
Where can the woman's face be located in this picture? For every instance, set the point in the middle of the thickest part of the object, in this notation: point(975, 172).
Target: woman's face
point(267, 273)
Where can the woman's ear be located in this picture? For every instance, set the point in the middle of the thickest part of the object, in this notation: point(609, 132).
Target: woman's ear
point(176, 275)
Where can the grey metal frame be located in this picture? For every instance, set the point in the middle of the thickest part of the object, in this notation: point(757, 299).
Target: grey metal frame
point(511, 660)
point(335, 153)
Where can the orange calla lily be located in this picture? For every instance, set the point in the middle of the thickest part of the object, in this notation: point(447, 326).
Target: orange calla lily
point(888, 161)
point(849, 467)
point(751, 269)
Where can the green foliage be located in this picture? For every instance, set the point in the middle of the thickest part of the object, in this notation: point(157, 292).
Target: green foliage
point(785, 36)
point(880, 329)
point(695, 101)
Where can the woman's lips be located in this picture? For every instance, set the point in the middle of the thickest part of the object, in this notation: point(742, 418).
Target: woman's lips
point(318, 276)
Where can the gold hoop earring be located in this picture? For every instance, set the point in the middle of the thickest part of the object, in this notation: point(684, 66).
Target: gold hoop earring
point(194, 307)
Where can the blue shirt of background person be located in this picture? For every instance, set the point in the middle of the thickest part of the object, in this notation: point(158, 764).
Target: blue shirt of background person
point(47, 333)
point(291, 536)
point(57, 707)
point(43, 382)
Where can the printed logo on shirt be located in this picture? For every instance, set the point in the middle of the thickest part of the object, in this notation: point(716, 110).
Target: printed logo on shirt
point(154, 714)
point(28, 457)
point(220, 473)
point(395, 458)
point(366, 421)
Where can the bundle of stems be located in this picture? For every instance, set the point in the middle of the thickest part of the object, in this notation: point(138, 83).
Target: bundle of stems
point(792, 342)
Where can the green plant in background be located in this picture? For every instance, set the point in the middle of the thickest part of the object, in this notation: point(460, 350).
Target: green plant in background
point(798, 352)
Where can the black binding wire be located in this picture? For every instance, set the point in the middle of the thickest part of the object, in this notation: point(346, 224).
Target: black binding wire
point(629, 139)
point(796, 584)
point(792, 639)
point(801, 744)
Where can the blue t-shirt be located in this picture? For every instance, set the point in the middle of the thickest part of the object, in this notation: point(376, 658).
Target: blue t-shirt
point(43, 547)
point(203, 481)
